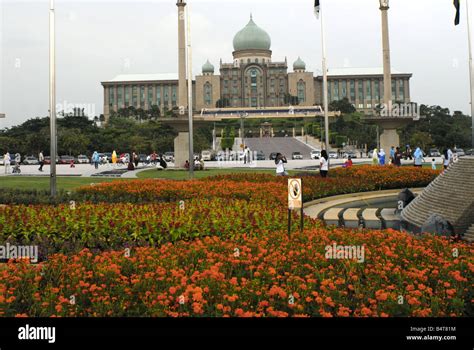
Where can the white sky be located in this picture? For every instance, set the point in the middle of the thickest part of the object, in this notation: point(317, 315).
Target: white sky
point(97, 40)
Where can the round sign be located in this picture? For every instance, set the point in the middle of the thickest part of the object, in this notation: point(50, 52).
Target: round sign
point(295, 189)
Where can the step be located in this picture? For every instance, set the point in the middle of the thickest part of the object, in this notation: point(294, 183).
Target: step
point(351, 218)
point(332, 216)
point(390, 219)
point(371, 220)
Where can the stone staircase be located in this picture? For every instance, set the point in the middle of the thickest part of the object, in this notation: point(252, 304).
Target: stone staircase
point(370, 218)
point(469, 235)
point(450, 195)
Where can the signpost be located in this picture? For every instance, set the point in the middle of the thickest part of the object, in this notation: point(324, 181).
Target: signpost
point(295, 201)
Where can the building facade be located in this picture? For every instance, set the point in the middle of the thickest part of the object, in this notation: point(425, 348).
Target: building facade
point(254, 80)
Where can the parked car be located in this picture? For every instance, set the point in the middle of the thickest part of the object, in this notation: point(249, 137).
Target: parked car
point(434, 152)
point(47, 160)
point(260, 155)
point(12, 158)
point(124, 158)
point(142, 158)
point(459, 152)
point(207, 156)
point(30, 160)
point(273, 156)
point(169, 157)
point(83, 159)
point(469, 152)
point(316, 154)
point(351, 154)
point(66, 159)
point(296, 155)
point(333, 155)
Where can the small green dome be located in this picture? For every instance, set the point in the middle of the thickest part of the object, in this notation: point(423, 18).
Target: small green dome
point(208, 67)
point(252, 37)
point(299, 64)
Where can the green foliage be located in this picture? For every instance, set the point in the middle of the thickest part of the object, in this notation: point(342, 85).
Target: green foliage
point(344, 106)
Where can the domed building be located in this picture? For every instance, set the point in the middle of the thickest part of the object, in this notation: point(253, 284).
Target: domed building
point(252, 80)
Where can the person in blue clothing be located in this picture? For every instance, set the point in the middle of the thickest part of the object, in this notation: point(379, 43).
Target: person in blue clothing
point(95, 159)
point(418, 155)
point(392, 155)
point(382, 157)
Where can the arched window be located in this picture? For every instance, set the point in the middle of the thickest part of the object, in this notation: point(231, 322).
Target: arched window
point(301, 91)
point(207, 94)
point(254, 87)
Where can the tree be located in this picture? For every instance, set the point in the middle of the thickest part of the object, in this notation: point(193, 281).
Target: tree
point(223, 103)
point(344, 106)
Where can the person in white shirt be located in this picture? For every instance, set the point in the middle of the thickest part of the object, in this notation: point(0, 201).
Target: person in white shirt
point(280, 161)
point(324, 164)
point(6, 162)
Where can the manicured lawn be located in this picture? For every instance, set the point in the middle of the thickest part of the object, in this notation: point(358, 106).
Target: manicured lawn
point(42, 183)
point(184, 175)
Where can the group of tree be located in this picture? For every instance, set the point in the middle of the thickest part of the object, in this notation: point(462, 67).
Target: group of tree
point(83, 135)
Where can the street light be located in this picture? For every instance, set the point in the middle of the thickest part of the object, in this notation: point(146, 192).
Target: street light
point(384, 4)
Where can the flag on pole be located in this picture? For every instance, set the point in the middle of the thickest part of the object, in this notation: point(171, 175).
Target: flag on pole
point(317, 8)
point(456, 5)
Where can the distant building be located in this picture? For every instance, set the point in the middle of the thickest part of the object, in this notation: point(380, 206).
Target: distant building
point(254, 80)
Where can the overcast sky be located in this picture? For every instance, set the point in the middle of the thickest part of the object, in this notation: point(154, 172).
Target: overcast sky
point(97, 40)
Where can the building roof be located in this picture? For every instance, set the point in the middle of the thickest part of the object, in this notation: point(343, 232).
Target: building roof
point(359, 71)
point(252, 37)
point(299, 64)
point(208, 67)
point(143, 77)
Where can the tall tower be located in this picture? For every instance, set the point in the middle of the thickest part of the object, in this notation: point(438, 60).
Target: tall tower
point(182, 88)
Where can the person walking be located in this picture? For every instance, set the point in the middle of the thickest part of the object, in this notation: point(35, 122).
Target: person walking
point(446, 159)
point(418, 155)
point(382, 156)
point(41, 161)
point(6, 162)
point(95, 159)
point(397, 159)
point(433, 164)
point(375, 157)
point(280, 161)
point(135, 158)
point(392, 155)
point(324, 164)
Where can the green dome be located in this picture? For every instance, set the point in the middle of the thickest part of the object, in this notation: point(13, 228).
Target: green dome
point(208, 67)
point(252, 37)
point(299, 64)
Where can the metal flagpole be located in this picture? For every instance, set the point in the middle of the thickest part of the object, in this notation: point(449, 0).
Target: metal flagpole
point(325, 82)
point(471, 70)
point(52, 98)
point(190, 96)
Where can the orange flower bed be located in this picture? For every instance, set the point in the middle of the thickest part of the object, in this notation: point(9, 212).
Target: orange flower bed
point(270, 276)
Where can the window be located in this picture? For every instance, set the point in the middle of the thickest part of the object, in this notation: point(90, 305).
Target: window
point(111, 95)
point(120, 96)
point(142, 95)
point(401, 90)
point(173, 96)
point(368, 87)
point(352, 88)
point(158, 95)
point(207, 94)
point(394, 90)
point(336, 91)
point(361, 92)
point(150, 95)
point(166, 94)
point(329, 91)
point(127, 96)
point(344, 89)
point(135, 96)
point(377, 90)
point(301, 91)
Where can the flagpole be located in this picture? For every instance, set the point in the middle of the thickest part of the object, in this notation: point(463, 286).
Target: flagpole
point(52, 98)
point(325, 82)
point(190, 96)
point(471, 70)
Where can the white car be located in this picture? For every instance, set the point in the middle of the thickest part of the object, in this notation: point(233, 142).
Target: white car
point(30, 161)
point(316, 154)
point(82, 159)
point(206, 156)
point(333, 155)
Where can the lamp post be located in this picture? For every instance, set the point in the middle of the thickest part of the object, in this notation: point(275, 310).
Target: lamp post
point(387, 74)
point(52, 98)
